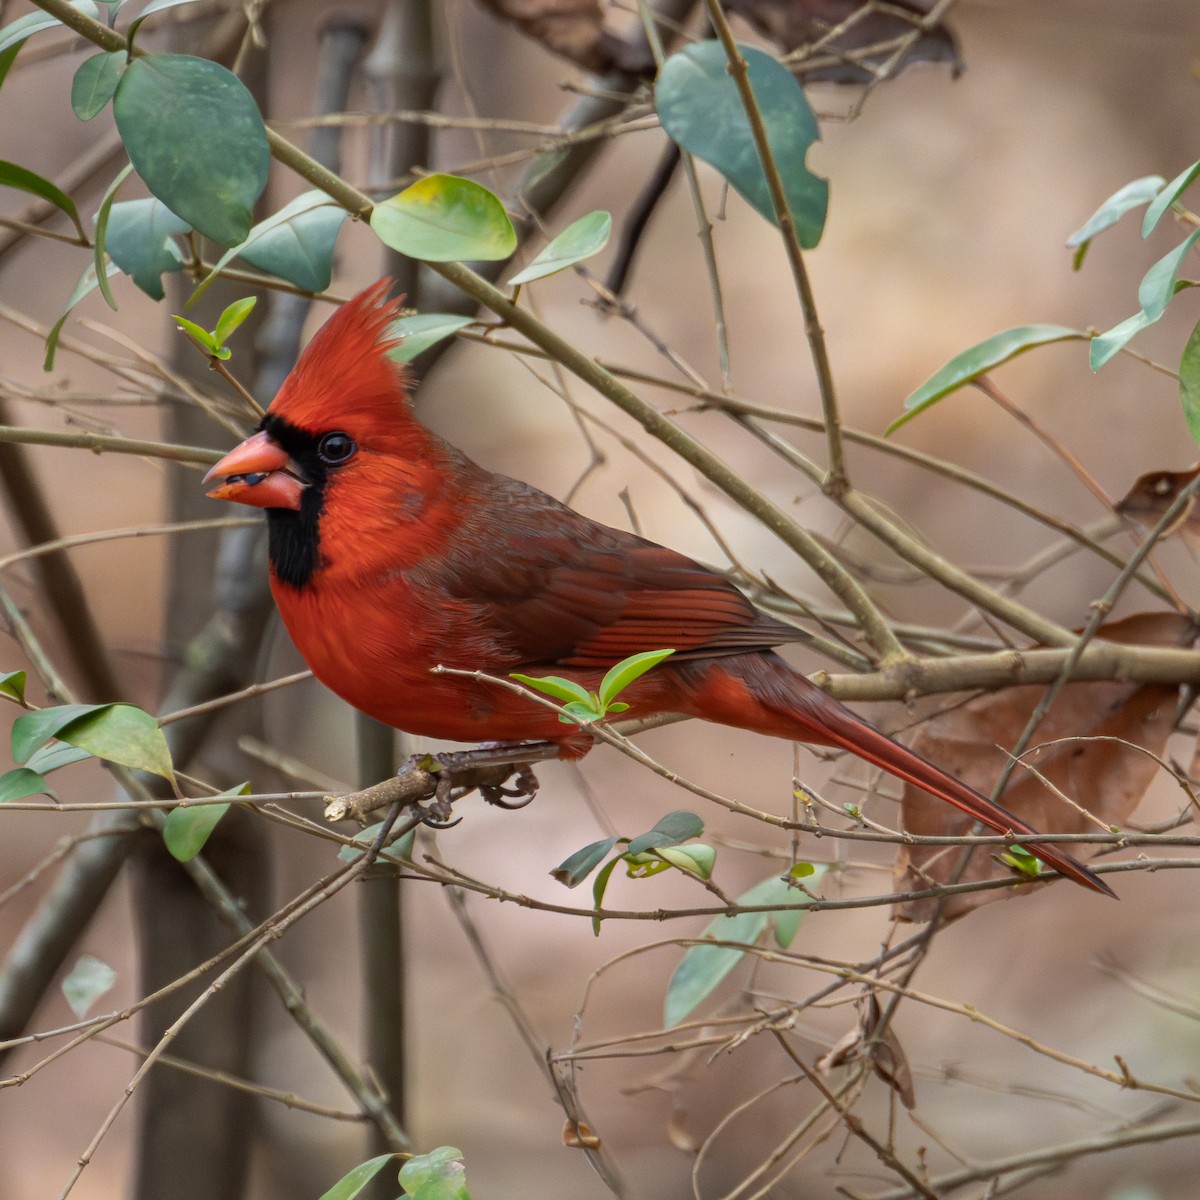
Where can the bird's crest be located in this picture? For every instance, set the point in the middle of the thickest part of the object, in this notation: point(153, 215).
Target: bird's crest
point(346, 369)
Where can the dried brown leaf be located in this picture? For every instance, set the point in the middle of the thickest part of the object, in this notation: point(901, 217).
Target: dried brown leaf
point(1153, 493)
point(1107, 775)
point(867, 38)
point(577, 1135)
point(888, 1059)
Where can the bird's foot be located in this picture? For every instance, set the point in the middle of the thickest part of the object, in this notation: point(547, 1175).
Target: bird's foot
point(517, 796)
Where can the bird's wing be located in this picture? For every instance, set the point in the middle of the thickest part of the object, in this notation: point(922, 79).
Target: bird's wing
point(560, 589)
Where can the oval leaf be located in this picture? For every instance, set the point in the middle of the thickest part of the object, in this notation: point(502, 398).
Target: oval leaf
point(1158, 284)
point(21, 782)
point(87, 981)
point(674, 828)
point(419, 332)
point(1105, 345)
point(703, 967)
point(1132, 195)
point(444, 218)
point(438, 1175)
point(581, 239)
point(1168, 196)
point(572, 871)
point(95, 82)
point(701, 109)
point(196, 137)
point(186, 829)
point(301, 249)
point(123, 734)
point(696, 859)
point(556, 686)
point(972, 363)
point(35, 729)
point(141, 241)
point(56, 755)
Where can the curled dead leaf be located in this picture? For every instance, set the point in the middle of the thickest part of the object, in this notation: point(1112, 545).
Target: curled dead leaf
point(577, 1135)
point(851, 38)
point(1153, 493)
point(1091, 742)
point(888, 1059)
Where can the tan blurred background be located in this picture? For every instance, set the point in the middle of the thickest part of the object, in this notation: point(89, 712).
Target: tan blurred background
point(950, 203)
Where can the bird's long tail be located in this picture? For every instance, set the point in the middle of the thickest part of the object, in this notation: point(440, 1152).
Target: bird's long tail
point(761, 692)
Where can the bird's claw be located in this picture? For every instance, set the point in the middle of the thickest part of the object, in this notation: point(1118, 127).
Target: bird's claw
point(517, 796)
point(438, 814)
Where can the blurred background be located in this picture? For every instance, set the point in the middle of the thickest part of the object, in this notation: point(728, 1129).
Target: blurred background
point(950, 202)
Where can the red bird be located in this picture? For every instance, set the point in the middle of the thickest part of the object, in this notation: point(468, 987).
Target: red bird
point(391, 553)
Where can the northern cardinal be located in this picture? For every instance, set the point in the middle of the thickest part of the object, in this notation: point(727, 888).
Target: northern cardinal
point(392, 552)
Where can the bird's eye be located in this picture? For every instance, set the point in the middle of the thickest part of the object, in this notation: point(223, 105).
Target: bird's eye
point(336, 448)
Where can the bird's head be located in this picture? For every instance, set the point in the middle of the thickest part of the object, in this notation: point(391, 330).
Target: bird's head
point(341, 423)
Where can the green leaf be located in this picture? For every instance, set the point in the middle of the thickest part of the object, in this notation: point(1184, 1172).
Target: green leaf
point(573, 870)
point(1132, 195)
point(88, 283)
point(353, 1182)
point(444, 218)
point(696, 859)
point(121, 733)
point(275, 233)
point(1168, 196)
point(581, 239)
point(141, 241)
point(300, 247)
point(1021, 861)
point(599, 886)
point(196, 137)
point(576, 711)
point(86, 982)
point(14, 33)
point(56, 755)
point(21, 782)
point(35, 729)
point(153, 7)
point(1189, 384)
point(94, 83)
point(701, 109)
point(438, 1175)
point(101, 236)
point(419, 332)
point(27, 181)
point(7, 58)
point(674, 828)
point(784, 924)
point(556, 686)
point(1105, 345)
point(980, 358)
point(626, 671)
point(233, 315)
point(186, 830)
point(203, 336)
point(1158, 284)
point(12, 685)
point(399, 851)
point(703, 967)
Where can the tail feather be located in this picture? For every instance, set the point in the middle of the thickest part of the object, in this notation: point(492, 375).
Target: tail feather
point(761, 692)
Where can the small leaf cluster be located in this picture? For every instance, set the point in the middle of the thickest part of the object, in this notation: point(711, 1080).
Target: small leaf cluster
point(46, 739)
point(650, 853)
point(212, 341)
point(581, 706)
point(438, 1175)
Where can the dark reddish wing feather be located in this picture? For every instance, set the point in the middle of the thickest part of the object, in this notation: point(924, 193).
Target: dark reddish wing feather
point(563, 590)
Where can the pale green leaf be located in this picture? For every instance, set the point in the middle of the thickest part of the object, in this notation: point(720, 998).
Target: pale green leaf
point(1189, 382)
point(86, 982)
point(556, 686)
point(580, 240)
point(1158, 284)
point(438, 1175)
point(1163, 201)
point(21, 782)
point(12, 685)
point(626, 671)
point(978, 360)
point(88, 283)
point(418, 333)
point(1105, 345)
point(121, 733)
point(14, 33)
point(1132, 195)
point(352, 1183)
point(574, 869)
point(444, 218)
point(141, 241)
point(34, 729)
point(187, 828)
point(100, 239)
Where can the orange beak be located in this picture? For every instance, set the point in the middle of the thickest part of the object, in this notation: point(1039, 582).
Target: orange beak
point(259, 473)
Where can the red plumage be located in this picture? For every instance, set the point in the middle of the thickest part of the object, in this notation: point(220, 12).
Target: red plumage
point(391, 553)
